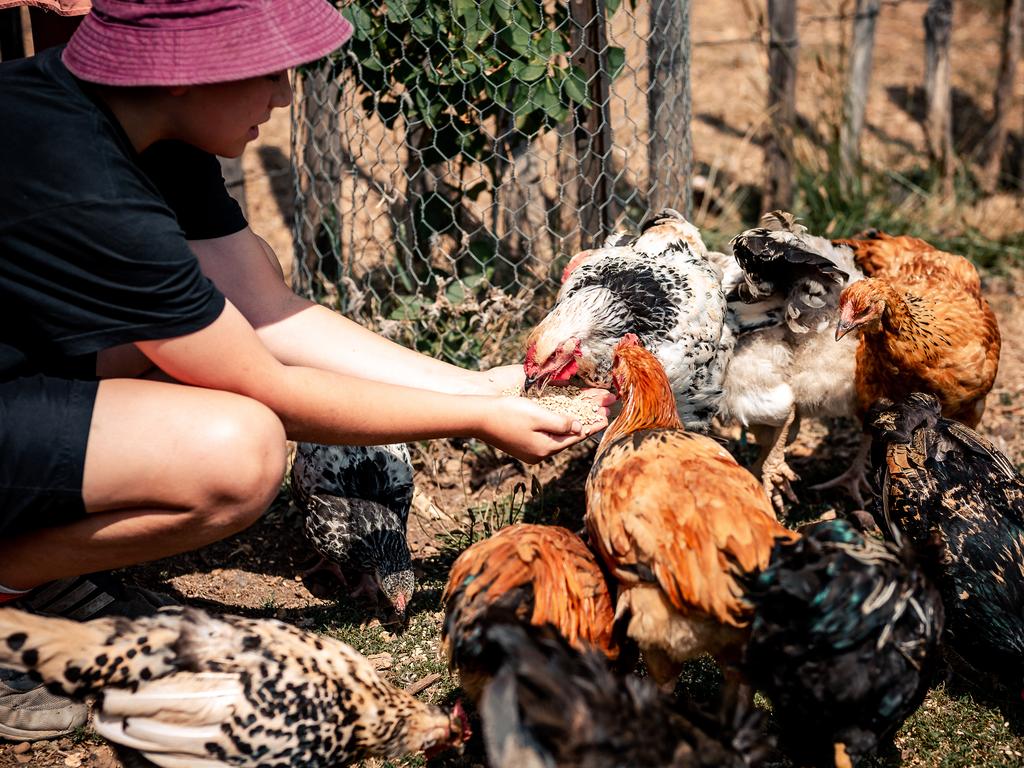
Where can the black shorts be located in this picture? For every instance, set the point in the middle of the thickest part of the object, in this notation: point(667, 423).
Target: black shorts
point(44, 430)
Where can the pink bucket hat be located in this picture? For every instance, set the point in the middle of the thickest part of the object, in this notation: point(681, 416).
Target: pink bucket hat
point(193, 42)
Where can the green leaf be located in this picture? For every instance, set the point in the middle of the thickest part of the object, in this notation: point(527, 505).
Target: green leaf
point(464, 8)
point(521, 98)
point(372, 62)
point(423, 27)
point(526, 72)
point(362, 22)
point(611, 6)
point(504, 10)
point(553, 105)
point(529, 11)
point(398, 10)
point(616, 60)
point(409, 308)
point(551, 43)
point(456, 292)
point(575, 85)
point(517, 38)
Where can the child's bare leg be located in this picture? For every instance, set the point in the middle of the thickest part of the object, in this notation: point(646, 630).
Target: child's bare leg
point(169, 468)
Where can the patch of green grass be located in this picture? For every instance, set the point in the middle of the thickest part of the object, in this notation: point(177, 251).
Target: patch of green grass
point(954, 730)
point(484, 520)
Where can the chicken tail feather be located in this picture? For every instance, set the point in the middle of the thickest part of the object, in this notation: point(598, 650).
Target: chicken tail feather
point(82, 658)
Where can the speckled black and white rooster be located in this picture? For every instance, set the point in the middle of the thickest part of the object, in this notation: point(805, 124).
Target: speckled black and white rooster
point(660, 285)
point(786, 365)
point(186, 690)
point(356, 502)
point(845, 640)
point(959, 502)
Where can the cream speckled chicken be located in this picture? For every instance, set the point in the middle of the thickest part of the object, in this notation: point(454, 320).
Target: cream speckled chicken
point(188, 690)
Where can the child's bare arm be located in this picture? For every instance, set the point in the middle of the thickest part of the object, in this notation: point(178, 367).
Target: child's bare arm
point(328, 407)
point(299, 332)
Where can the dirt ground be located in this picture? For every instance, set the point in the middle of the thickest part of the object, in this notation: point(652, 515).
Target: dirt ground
point(467, 488)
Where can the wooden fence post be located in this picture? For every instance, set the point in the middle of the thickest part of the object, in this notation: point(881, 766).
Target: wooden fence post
point(1013, 28)
point(669, 163)
point(782, 60)
point(856, 97)
point(593, 125)
point(938, 28)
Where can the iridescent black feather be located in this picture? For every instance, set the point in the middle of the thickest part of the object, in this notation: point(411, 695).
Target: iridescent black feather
point(844, 641)
point(550, 705)
point(959, 502)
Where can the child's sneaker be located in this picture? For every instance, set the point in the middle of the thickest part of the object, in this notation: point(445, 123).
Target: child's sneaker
point(29, 712)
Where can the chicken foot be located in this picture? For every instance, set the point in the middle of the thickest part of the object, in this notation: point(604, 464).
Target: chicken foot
point(776, 474)
point(365, 587)
point(324, 565)
point(855, 479)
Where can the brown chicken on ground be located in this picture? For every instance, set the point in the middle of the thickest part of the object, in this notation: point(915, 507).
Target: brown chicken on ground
point(676, 520)
point(924, 327)
point(543, 575)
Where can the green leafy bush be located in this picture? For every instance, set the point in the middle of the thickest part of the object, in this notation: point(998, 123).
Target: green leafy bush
point(448, 66)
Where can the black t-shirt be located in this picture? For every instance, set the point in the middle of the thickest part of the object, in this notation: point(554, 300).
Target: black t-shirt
point(93, 248)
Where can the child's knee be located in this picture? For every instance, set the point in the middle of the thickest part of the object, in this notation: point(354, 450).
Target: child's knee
point(250, 450)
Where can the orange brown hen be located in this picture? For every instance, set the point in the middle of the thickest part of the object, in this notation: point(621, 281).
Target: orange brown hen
point(924, 327)
point(677, 521)
point(541, 574)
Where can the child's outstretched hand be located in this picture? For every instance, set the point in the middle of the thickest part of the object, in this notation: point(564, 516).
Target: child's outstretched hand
point(496, 381)
point(531, 433)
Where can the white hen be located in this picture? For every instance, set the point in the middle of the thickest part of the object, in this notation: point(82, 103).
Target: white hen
point(661, 285)
point(786, 364)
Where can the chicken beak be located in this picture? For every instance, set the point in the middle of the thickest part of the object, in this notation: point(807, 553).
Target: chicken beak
point(534, 384)
point(843, 327)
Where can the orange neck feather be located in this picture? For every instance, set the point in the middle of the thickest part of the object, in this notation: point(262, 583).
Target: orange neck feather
point(648, 402)
point(903, 316)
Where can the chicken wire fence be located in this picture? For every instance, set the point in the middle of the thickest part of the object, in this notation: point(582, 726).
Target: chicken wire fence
point(453, 156)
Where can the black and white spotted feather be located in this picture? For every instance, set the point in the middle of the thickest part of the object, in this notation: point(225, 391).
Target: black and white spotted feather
point(184, 689)
point(659, 284)
point(356, 502)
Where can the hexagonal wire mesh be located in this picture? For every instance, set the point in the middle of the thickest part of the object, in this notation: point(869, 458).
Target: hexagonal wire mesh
point(452, 157)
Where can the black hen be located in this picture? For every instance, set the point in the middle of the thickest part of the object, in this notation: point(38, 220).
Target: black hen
point(551, 705)
point(960, 503)
point(356, 501)
point(844, 641)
